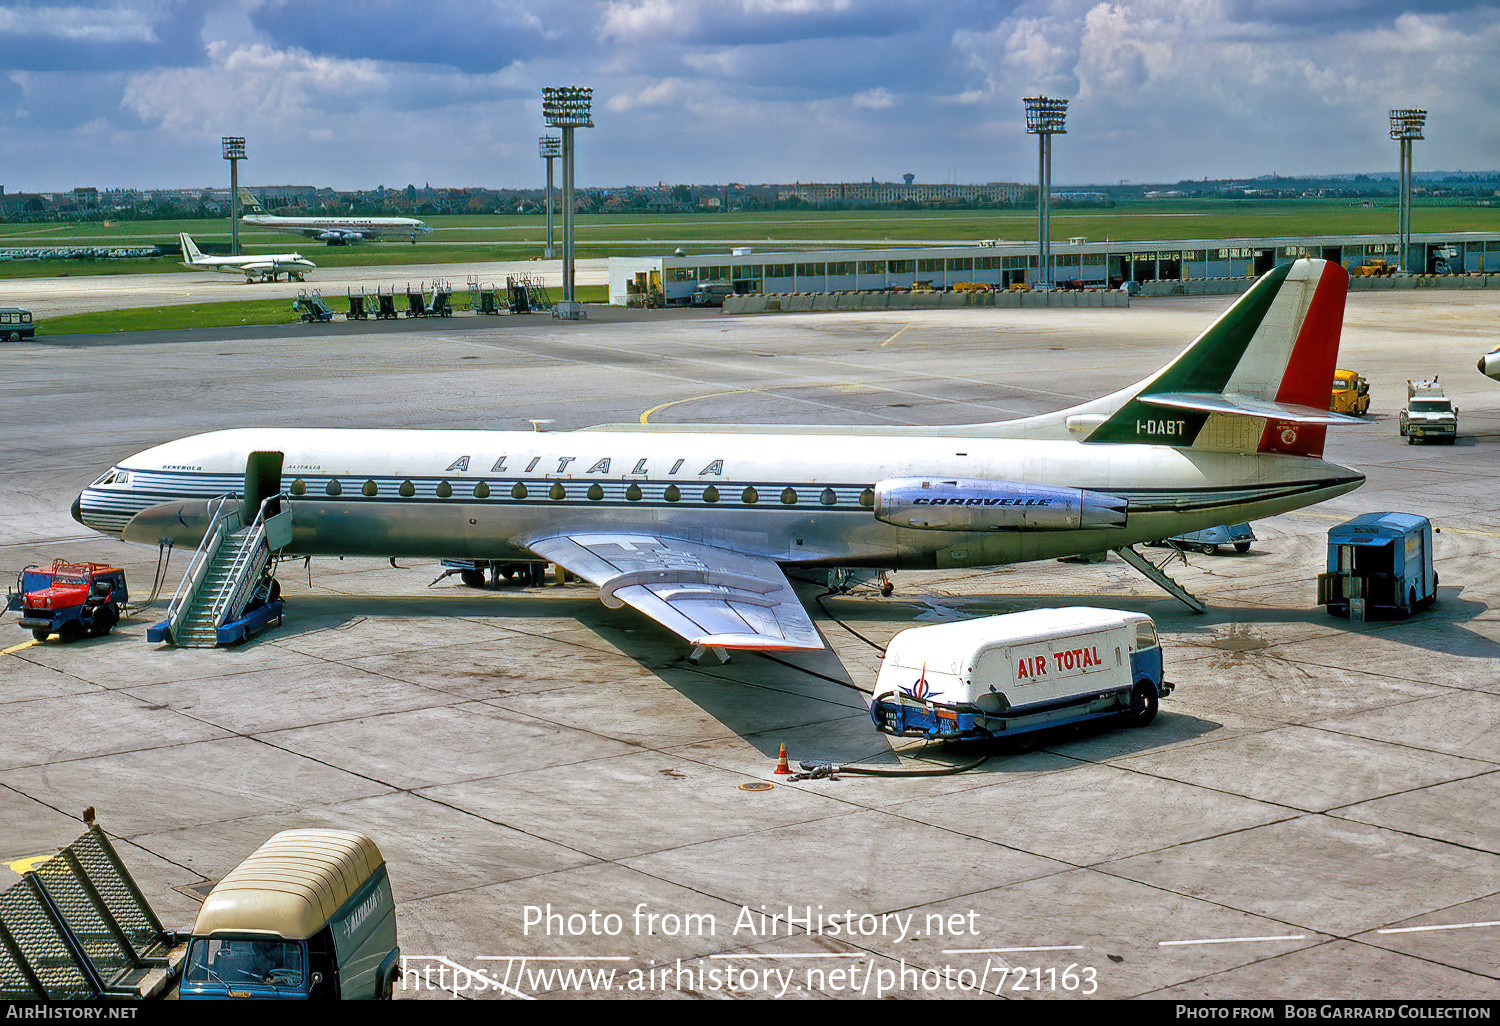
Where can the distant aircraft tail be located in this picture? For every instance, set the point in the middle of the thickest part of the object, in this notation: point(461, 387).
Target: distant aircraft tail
point(1259, 379)
point(190, 254)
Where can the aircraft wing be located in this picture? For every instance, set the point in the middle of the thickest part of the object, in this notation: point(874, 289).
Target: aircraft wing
point(711, 596)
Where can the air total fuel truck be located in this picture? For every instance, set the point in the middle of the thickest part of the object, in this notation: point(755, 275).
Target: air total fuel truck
point(1002, 675)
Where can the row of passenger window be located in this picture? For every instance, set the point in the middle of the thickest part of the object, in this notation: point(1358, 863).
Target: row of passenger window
point(559, 493)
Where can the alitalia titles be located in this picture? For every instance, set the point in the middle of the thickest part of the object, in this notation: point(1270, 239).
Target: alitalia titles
point(714, 468)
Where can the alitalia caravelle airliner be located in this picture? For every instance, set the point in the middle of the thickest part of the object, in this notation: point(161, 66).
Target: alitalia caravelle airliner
point(692, 525)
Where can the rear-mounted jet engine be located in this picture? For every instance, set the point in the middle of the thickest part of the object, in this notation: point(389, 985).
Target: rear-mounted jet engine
point(974, 505)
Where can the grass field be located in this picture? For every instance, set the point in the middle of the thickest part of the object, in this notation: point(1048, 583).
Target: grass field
point(484, 238)
point(219, 315)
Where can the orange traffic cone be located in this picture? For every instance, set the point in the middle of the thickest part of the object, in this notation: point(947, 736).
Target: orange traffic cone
point(781, 767)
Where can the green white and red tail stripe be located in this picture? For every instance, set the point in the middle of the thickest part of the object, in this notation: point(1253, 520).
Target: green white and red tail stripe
point(1269, 358)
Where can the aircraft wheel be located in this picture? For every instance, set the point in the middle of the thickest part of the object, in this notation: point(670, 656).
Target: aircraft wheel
point(1242, 546)
point(887, 589)
point(1143, 704)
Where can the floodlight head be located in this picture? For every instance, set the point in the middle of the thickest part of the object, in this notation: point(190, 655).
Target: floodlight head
point(567, 106)
point(234, 147)
point(1407, 124)
point(549, 146)
point(1045, 115)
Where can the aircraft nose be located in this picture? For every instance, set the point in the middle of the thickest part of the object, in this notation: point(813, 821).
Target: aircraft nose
point(77, 509)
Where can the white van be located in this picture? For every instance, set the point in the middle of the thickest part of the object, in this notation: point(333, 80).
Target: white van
point(1002, 675)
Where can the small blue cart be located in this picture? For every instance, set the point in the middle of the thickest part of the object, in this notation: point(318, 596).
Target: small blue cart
point(1379, 565)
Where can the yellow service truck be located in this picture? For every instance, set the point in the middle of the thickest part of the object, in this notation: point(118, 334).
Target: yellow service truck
point(308, 915)
point(1351, 393)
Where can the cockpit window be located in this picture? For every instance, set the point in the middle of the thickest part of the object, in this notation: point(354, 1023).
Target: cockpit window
point(113, 476)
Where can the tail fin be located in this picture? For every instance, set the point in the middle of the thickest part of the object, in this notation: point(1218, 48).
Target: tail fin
point(190, 254)
point(1257, 380)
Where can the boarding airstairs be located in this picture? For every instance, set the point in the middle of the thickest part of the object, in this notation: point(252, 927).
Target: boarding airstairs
point(226, 593)
point(1157, 574)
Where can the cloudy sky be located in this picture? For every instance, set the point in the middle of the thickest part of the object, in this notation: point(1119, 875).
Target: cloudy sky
point(360, 93)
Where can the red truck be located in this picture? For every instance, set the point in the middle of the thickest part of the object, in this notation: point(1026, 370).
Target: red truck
point(70, 599)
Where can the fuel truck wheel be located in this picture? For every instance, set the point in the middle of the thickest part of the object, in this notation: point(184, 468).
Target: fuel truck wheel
point(1242, 546)
point(1143, 704)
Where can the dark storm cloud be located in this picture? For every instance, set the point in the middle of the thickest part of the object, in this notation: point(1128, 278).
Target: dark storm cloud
point(88, 35)
point(464, 34)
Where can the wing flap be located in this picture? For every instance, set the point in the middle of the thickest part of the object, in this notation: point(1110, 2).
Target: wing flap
point(710, 596)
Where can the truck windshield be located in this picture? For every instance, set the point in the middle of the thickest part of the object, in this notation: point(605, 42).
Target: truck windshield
point(1431, 406)
point(245, 961)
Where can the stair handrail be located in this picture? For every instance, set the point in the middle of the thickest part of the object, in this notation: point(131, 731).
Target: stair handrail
point(220, 510)
point(234, 596)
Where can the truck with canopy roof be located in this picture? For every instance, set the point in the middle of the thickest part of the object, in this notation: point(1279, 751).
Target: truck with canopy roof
point(309, 914)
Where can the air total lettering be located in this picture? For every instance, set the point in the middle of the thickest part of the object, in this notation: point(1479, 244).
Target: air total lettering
point(1073, 660)
point(714, 469)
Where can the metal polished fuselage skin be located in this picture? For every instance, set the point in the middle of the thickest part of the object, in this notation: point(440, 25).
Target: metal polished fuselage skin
point(425, 483)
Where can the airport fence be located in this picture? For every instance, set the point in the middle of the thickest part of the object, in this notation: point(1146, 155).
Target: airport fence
point(799, 302)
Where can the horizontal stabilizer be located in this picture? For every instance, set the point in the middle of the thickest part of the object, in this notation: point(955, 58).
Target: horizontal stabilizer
point(1245, 406)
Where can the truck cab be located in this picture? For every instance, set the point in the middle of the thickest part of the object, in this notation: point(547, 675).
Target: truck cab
point(711, 294)
point(1429, 413)
point(16, 324)
point(1351, 393)
point(308, 915)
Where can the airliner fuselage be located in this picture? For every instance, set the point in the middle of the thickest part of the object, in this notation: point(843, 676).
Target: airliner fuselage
point(797, 498)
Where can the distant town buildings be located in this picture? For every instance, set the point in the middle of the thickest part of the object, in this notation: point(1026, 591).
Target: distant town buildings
point(92, 203)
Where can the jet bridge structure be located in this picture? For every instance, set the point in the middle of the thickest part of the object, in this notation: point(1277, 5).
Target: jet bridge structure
point(76, 928)
point(227, 592)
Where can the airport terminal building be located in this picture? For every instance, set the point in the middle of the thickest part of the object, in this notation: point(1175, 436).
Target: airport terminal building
point(1005, 263)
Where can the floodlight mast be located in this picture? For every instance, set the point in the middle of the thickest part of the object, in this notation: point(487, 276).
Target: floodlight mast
point(234, 152)
point(1045, 116)
point(1406, 126)
point(550, 148)
point(567, 107)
